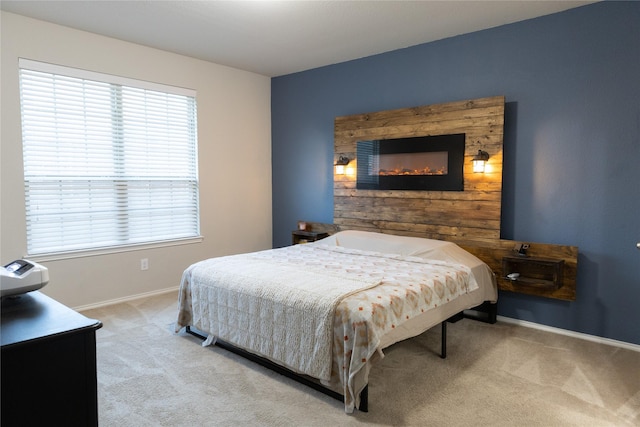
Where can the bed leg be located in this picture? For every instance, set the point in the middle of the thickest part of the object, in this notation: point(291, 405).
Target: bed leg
point(364, 399)
point(194, 333)
point(443, 352)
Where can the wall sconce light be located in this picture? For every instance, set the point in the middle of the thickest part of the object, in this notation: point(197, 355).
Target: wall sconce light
point(479, 161)
point(341, 165)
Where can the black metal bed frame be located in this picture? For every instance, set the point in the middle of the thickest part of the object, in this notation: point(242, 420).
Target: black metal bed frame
point(485, 312)
point(364, 394)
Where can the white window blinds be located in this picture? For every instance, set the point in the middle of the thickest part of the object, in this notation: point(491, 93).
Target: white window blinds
point(108, 162)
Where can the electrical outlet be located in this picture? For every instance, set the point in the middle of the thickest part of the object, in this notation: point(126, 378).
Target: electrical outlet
point(144, 264)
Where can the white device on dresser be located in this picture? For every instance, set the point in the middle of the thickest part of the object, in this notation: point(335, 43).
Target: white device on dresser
point(21, 276)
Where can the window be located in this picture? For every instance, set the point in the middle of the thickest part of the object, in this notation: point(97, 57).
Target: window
point(108, 161)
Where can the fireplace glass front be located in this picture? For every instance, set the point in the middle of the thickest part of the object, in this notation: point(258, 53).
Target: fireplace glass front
point(417, 163)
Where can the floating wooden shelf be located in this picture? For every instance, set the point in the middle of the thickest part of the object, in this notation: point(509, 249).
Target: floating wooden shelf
point(541, 273)
point(549, 271)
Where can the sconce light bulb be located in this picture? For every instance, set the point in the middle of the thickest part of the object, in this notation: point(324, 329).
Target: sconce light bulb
point(341, 165)
point(479, 161)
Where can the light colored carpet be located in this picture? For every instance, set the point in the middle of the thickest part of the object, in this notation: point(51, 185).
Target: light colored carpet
point(498, 375)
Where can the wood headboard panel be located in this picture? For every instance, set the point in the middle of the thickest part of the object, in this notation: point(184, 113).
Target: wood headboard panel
point(469, 217)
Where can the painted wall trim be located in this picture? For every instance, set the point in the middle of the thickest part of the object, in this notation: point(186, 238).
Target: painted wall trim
point(566, 332)
point(127, 299)
point(523, 323)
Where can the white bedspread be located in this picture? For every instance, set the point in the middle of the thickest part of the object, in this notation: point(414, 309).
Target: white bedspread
point(271, 303)
point(280, 303)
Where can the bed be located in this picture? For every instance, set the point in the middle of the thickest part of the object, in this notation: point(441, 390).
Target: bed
point(326, 310)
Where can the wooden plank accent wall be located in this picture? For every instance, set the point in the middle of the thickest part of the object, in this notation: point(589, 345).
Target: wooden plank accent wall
point(471, 216)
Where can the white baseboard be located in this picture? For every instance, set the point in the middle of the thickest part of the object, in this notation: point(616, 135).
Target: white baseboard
point(587, 337)
point(126, 299)
point(524, 323)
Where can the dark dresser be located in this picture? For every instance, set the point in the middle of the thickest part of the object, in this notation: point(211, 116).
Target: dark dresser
point(48, 363)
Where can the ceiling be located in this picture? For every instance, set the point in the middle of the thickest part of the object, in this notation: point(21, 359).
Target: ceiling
point(275, 38)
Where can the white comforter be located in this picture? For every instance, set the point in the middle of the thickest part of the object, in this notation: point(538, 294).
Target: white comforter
point(281, 303)
point(274, 302)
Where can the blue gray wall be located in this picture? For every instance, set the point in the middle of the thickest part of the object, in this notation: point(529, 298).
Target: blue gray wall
point(572, 144)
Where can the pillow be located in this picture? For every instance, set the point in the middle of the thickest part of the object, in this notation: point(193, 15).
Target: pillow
point(385, 243)
point(417, 247)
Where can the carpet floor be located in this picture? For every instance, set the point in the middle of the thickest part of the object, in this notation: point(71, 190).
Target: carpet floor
point(498, 375)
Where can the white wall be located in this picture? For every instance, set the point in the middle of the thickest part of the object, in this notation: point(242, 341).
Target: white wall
point(234, 137)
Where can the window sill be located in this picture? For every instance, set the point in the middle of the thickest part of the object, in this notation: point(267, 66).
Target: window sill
point(58, 256)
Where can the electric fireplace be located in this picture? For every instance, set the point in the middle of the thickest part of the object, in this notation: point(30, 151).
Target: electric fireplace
point(417, 163)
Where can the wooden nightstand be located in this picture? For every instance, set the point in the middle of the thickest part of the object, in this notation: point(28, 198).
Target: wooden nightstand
point(300, 236)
